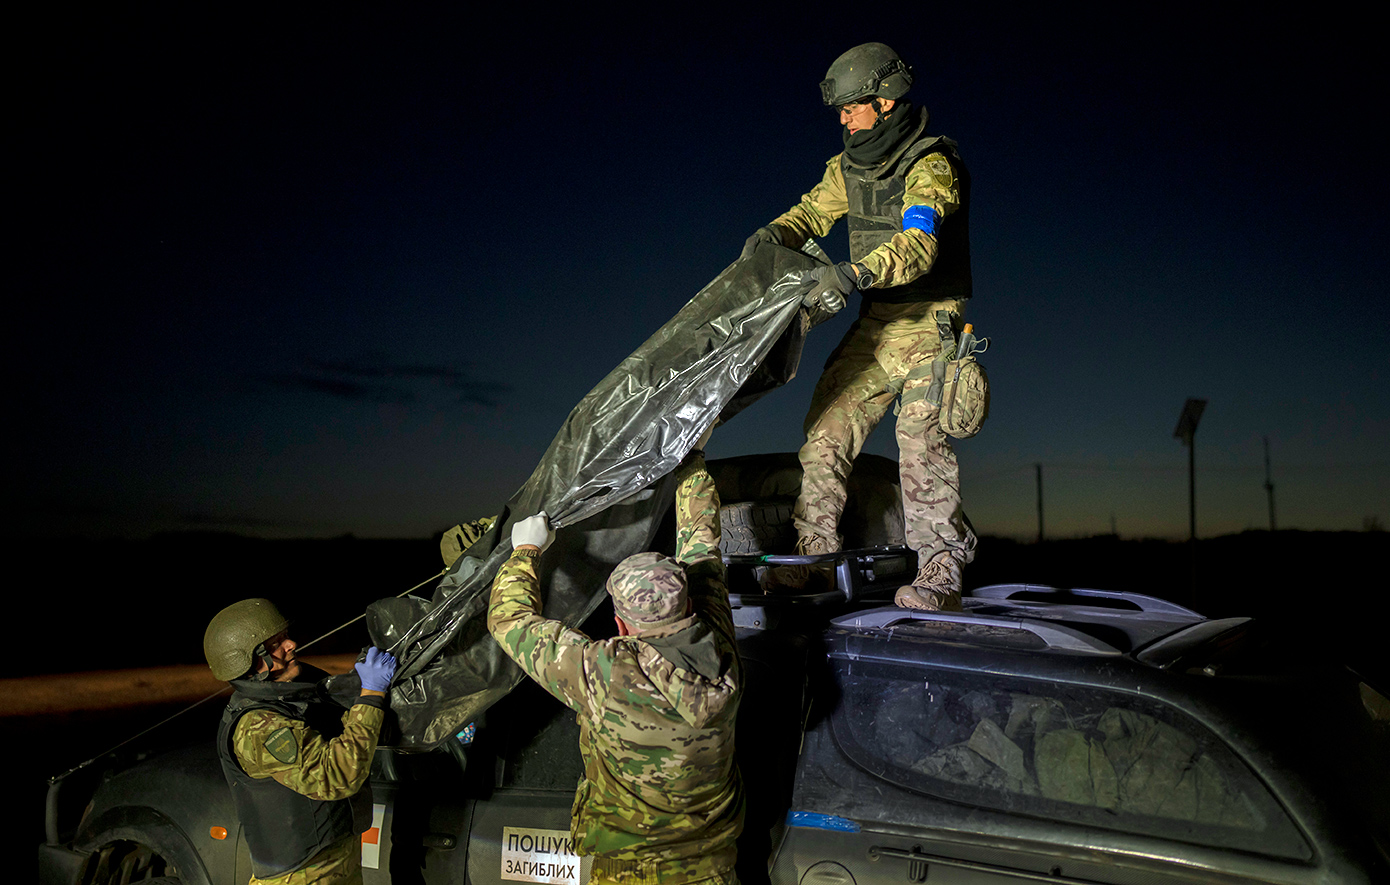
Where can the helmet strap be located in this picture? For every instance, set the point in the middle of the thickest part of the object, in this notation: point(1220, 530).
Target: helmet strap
point(266, 659)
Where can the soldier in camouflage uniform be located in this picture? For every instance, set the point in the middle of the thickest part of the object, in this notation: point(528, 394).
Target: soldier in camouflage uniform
point(906, 194)
point(296, 762)
point(661, 799)
point(462, 536)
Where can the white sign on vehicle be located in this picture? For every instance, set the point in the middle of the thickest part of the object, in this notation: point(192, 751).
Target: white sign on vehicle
point(534, 855)
point(371, 840)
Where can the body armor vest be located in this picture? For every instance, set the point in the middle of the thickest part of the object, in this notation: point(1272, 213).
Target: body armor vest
point(876, 213)
point(284, 829)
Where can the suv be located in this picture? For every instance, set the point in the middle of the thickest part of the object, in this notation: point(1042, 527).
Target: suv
point(1043, 734)
point(1087, 736)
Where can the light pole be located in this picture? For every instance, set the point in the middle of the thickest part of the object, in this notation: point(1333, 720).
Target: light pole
point(1186, 430)
point(1038, 469)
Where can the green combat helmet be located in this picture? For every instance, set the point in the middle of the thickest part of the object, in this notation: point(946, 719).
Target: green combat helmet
point(234, 636)
point(867, 69)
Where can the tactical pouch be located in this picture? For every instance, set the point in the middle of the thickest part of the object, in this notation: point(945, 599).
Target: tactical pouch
point(959, 387)
point(965, 398)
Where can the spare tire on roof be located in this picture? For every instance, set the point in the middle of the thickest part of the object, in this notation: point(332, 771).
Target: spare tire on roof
point(758, 491)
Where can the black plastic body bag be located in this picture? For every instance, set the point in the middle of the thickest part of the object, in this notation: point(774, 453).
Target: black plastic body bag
point(605, 483)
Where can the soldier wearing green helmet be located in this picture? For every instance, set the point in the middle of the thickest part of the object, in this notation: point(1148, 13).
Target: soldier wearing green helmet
point(661, 799)
point(906, 195)
point(296, 761)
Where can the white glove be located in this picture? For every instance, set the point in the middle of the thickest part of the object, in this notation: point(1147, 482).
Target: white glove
point(534, 530)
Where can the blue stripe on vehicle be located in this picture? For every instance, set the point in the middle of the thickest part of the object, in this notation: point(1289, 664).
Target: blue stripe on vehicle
point(921, 217)
point(821, 821)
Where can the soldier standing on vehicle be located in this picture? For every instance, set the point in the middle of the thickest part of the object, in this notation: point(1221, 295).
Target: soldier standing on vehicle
point(297, 763)
point(907, 197)
point(661, 799)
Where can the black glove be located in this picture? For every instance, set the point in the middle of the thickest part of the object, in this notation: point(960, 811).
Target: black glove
point(768, 233)
point(828, 286)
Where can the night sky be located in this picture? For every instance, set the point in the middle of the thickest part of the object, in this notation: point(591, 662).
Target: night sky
point(346, 269)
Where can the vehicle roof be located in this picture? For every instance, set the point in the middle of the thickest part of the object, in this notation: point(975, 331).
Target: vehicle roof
point(1076, 621)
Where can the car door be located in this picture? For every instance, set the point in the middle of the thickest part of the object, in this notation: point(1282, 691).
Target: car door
point(525, 763)
point(979, 765)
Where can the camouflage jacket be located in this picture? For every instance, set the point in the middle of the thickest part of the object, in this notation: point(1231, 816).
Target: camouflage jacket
point(661, 796)
point(931, 182)
point(297, 764)
point(320, 768)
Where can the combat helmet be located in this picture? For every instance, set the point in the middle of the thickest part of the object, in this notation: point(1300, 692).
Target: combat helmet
point(234, 636)
point(867, 69)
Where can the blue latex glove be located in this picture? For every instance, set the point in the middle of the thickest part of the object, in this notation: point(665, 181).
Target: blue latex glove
point(376, 671)
point(533, 530)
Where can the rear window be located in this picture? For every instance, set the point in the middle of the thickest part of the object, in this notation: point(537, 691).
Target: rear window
point(1058, 752)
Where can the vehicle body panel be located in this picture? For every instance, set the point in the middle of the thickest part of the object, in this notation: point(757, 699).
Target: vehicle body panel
point(826, 801)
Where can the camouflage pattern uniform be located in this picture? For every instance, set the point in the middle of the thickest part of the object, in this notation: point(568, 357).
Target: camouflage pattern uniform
point(338, 864)
point(895, 334)
point(269, 744)
point(462, 536)
point(931, 181)
point(661, 799)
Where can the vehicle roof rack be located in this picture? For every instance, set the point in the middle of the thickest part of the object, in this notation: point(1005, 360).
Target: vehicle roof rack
point(1057, 636)
point(1044, 593)
point(1182, 648)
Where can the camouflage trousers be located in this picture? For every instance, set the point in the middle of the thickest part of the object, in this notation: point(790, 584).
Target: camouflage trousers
point(862, 379)
point(607, 872)
point(338, 864)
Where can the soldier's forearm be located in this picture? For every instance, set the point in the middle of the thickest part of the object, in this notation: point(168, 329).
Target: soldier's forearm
point(546, 650)
point(819, 209)
point(904, 258)
point(802, 222)
point(515, 593)
point(697, 510)
point(337, 769)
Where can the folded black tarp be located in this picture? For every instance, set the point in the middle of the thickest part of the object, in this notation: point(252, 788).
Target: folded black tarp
point(605, 482)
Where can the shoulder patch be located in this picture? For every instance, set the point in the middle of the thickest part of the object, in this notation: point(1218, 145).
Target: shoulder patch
point(282, 745)
point(940, 170)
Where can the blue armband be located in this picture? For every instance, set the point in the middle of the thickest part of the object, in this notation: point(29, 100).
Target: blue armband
point(922, 218)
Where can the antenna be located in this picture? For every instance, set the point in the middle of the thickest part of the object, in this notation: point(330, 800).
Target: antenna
point(1269, 489)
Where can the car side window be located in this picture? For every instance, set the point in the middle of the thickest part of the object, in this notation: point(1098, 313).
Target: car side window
point(1053, 751)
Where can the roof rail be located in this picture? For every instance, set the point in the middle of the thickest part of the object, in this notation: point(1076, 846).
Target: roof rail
point(1141, 601)
point(1177, 648)
point(1056, 636)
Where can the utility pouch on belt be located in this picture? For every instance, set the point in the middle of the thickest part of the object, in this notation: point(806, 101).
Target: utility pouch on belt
point(959, 385)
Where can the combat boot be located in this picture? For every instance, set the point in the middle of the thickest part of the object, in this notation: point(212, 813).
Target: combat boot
point(936, 587)
point(818, 576)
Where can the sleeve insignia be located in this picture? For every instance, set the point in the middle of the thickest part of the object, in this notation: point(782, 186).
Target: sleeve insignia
point(282, 745)
point(941, 170)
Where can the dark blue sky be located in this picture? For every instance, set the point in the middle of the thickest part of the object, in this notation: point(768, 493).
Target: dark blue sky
point(313, 272)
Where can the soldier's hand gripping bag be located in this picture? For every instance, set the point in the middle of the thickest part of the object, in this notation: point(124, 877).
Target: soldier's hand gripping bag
point(964, 398)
